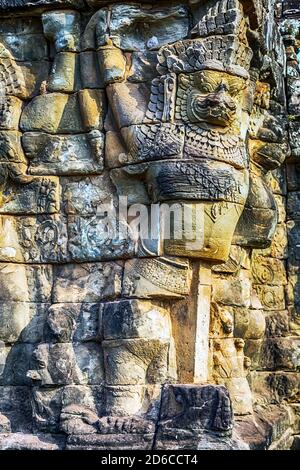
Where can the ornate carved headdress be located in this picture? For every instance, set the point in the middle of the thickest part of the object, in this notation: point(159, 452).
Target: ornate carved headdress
point(219, 43)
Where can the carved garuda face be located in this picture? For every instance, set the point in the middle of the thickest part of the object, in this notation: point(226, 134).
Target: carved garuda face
point(210, 98)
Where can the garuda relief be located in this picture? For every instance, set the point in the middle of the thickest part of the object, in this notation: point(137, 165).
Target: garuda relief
point(117, 337)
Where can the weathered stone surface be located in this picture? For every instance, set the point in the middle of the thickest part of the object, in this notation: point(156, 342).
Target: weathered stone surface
point(280, 353)
point(13, 4)
point(112, 64)
point(63, 116)
point(268, 271)
point(276, 180)
point(293, 176)
point(24, 39)
point(234, 291)
point(190, 410)
point(4, 424)
point(142, 66)
point(20, 441)
point(72, 322)
point(17, 364)
point(65, 74)
point(277, 324)
point(49, 403)
point(271, 297)
point(134, 319)
point(164, 26)
point(66, 363)
point(10, 112)
point(85, 196)
point(89, 70)
point(10, 147)
point(110, 441)
point(33, 239)
point(133, 106)
point(257, 224)
point(22, 321)
point(38, 196)
point(158, 108)
point(275, 387)
point(185, 180)
point(95, 239)
point(151, 278)
point(87, 282)
point(63, 155)
point(25, 283)
point(62, 27)
point(16, 407)
point(249, 324)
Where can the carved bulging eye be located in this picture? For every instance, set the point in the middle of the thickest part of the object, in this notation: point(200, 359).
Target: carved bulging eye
point(206, 88)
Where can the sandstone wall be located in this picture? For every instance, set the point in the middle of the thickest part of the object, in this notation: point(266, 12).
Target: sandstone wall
point(118, 342)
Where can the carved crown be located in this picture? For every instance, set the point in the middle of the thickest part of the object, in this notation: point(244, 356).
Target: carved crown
point(219, 42)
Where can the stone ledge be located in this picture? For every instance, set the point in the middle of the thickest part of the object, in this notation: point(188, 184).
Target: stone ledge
point(20, 441)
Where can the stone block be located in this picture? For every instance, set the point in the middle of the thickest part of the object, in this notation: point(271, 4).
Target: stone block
point(41, 239)
point(234, 291)
point(26, 47)
point(157, 278)
point(62, 155)
point(275, 387)
point(134, 319)
point(49, 403)
point(30, 442)
point(85, 196)
point(271, 297)
point(64, 76)
point(17, 364)
point(46, 408)
point(87, 282)
point(173, 180)
point(142, 66)
point(293, 205)
point(249, 324)
point(149, 142)
point(95, 239)
point(11, 148)
point(15, 404)
point(39, 196)
point(93, 108)
point(277, 324)
point(62, 28)
point(128, 401)
point(164, 28)
point(25, 283)
point(112, 64)
point(269, 271)
point(280, 353)
point(35, 75)
point(281, 208)
point(293, 176)
point(10, 113)
point(89, 70)
point(128, 102)
point(110, 441)
point(190, 410)
point(66, 364)
point(22, 322)
point(146, 359)
point(72, 322)
point(293, 94)
point(62, 117)
point(276, 180)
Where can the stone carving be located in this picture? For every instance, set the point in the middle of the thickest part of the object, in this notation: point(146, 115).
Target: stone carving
point(118, 118)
